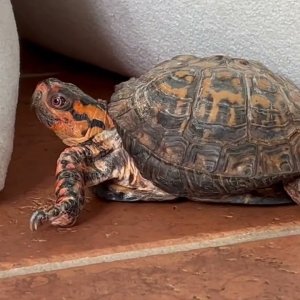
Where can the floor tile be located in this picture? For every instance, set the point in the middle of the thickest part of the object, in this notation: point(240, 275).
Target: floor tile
point(266, 270)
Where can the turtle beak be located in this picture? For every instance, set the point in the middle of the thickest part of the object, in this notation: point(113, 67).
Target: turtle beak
point(38, 106)
point(36, 98)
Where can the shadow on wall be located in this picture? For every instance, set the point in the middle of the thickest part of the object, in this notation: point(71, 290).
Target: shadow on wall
point(131, 36)
point(73, 30)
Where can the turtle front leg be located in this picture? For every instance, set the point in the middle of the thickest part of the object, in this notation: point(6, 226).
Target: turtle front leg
point(75, 170)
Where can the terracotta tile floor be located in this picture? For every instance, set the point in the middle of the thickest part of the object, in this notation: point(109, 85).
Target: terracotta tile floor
point(261, 270)
point(216, 267)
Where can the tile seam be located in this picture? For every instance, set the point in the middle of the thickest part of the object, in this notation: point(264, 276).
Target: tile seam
point(197, 244)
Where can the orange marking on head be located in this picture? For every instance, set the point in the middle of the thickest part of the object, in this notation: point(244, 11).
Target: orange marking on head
point(80, 108)
point(93, 112)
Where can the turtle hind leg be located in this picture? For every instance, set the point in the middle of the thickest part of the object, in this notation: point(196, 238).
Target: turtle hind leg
point(250, 199)
point(293, 189)
point(120, 193)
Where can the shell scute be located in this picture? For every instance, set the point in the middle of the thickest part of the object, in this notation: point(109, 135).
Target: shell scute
point(202, 157)
point(239, 160)
point(276, 160)
point(173, 149)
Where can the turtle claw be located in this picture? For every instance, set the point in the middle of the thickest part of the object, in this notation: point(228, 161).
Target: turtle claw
point(37, 218)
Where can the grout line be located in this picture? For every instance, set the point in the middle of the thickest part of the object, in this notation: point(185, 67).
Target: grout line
point(199, 243)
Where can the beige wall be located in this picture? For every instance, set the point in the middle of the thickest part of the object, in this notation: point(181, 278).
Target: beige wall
point(129, 36)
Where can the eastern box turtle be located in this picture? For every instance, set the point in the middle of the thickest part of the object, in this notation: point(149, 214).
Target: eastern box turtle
point(214, 129)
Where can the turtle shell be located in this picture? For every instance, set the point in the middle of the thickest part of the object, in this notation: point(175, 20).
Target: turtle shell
point(214, 125)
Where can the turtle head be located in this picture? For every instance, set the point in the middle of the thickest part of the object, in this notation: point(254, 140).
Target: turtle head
point(74, 116)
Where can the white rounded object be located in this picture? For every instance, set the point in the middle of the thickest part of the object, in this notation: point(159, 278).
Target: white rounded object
point(9, 84)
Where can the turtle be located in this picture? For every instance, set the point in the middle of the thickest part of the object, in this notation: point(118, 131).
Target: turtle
point(218, 129)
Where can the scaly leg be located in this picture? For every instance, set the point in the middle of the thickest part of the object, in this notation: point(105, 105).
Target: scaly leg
point(76, 169)
point(293, 189)
point(117, 192)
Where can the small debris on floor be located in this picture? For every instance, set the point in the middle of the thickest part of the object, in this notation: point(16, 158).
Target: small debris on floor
point(228, 216)
point(287, 271)
point(108, 235)
point(38, 240)
point(232, 259)
point(66, 229)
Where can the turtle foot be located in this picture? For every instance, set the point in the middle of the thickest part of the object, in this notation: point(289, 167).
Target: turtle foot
point(56, 215)
point(37, 219)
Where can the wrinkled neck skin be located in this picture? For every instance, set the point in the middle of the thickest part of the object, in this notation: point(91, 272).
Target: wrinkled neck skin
point(108, 140)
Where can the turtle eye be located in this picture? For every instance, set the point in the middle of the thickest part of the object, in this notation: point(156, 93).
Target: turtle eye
point(58, 101)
